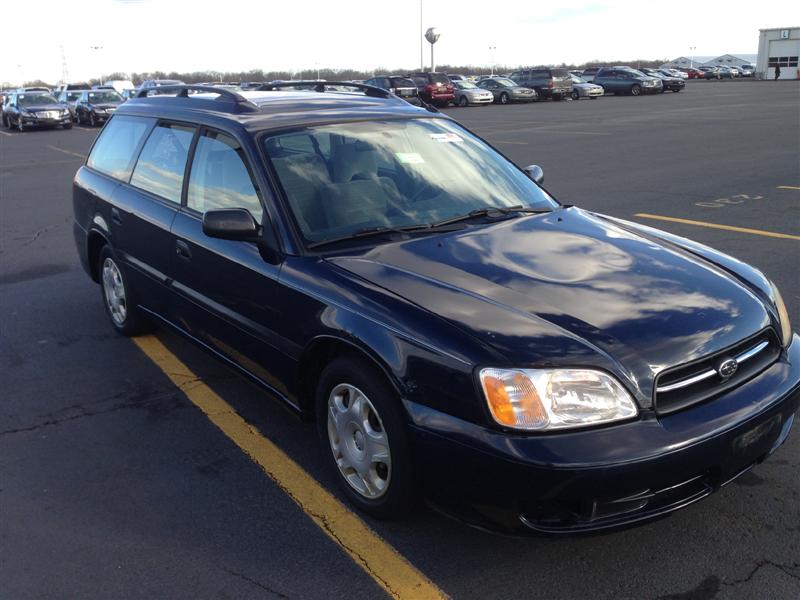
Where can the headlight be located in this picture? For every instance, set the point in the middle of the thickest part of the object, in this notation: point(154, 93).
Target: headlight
point(783, 316)
point(547, 399)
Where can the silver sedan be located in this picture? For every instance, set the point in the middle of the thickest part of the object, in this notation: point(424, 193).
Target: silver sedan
point(583, 89)
point(467, 93)
point(505, 90)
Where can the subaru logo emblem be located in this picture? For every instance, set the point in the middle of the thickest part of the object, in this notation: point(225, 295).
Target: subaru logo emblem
point(727, 368)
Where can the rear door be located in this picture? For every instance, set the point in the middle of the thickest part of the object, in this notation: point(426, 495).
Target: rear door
point(228, 294)
point(144, 207)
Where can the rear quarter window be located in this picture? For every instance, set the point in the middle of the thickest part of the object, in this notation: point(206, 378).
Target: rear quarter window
point(439, 78)
point(115, 150)
point(162, 163)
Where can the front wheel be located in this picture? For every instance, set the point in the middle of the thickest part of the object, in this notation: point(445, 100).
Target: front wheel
point(92, 120)
point(636, 90)
point(20, 124)
point(575, 95)
point(504, 98)
point(364, 435)
point(463, 101)
point(67, 126)
point(118, 297)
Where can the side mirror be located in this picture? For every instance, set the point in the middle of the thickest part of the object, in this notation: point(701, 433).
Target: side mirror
point(535, 172)
point(230, 224)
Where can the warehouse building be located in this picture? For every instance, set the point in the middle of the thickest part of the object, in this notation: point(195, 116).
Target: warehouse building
point(729, 60)
point(778, 47)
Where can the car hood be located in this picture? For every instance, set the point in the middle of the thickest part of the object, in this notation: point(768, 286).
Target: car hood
point(46, 106)
point(570, 287)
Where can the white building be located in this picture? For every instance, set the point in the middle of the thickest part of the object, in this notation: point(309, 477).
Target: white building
point(778, 48)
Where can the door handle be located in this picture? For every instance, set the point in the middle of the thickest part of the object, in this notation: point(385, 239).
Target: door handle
point(115, 216)
point(182, 250)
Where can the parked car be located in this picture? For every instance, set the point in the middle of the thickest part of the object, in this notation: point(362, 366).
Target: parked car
point(128, 94)
point(403, 87)
point(673, 84)
point(6, 98)
point(625, 80)
point(451, 327)
point(70, 87)
point(506, 90)
point(456, 77)
point(548, 82)
point(433, 88)
point(26, 110)
point(96, 106)
point(695, 73)
point(734, 71)
point(154, 84)
point(583, 89)
point(747, 70)
point(588, 74)
point(719, 73)
point(467, 93)
point(674, 73)
point(70, 98)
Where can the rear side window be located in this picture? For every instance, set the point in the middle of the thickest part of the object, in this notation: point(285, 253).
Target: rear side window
point(219, 177)
point(403, 83)
point(162, 162)
point(559, 72)
point(114, 151)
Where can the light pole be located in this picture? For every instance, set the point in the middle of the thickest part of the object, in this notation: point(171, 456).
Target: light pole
point(98, 49)
point(691, 59)
point(432, 35)
point(491, 59)
point(421, 43)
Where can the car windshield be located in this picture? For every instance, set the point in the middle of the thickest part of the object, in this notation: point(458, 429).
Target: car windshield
point(505, 82)
point(576, 79)
point(109, 96)
point(344, 178)
point(401, 83)
point(465, 85)
point(34, 99)
point(73, 96)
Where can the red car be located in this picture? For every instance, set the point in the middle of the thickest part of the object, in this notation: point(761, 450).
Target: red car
point(434, 88)
point(695, 73)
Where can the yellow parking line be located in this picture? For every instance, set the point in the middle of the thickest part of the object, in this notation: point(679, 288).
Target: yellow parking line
point(83, 156)
point(788, 187)
point(389, 569)
point(785, 236)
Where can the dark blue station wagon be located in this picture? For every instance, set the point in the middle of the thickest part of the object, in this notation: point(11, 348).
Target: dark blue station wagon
point(452, 328)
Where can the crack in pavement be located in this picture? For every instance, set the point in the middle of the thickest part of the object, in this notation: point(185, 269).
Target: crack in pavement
point(255, 583)
point(712, 585)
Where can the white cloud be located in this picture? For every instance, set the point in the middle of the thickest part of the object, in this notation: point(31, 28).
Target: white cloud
point(142, 35)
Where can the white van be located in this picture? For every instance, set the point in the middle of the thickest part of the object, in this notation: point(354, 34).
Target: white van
point(121, 85)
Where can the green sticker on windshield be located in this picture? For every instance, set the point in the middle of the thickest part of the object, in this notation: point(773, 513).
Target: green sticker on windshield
point(409, 158)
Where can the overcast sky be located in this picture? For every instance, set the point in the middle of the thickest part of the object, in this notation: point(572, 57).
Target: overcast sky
point(166, 35)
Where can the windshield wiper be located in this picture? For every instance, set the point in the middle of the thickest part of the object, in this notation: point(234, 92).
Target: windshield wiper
point(369, 232)
point(490, 211)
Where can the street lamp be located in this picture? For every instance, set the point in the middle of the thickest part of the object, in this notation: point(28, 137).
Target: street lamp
point(432, 35)
point(491, 59)
point(98, 49)
point(691, 60)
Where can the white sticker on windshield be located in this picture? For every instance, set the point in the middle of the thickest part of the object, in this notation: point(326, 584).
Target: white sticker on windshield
point(409, 158)
point(446, 137)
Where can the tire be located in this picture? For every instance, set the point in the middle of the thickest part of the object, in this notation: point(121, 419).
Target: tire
point(677, 90)
point(463, 102)
point(20, 124)
point(66, 126)
point(504, 98)
point(636, 89)
point(575, 95)
point(386, 490)
point(92, 120)
point(118, 297)
point(78, 118)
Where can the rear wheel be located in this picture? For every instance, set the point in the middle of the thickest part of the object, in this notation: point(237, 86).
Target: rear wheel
point(118, 297)
point(365, 437)
point(636, 89)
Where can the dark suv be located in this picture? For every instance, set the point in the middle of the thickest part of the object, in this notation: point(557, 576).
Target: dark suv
point(403, 87)
point(434, 88)
point(449, 325)
point(548, 82)
point(25, 110)
point(624, 80)
point(96, 106)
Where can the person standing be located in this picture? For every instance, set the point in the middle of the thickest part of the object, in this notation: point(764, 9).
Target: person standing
point(777, 72)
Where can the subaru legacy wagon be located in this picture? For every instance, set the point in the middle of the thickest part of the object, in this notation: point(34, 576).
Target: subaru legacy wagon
point(453, 329)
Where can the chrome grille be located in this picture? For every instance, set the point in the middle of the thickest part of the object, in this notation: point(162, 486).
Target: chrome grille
point(680, 387)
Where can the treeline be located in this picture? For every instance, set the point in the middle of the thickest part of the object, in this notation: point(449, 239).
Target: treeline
point(332, 74)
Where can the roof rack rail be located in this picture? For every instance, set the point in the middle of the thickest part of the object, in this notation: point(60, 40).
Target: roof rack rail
point(238, 102)
point(319, 86)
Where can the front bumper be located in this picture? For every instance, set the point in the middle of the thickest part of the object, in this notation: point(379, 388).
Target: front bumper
point(34, 121)
point(517, 97)
point(480, 99)
point(606, 477)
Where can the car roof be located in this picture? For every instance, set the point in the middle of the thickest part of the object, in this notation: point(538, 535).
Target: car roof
point(264, 110)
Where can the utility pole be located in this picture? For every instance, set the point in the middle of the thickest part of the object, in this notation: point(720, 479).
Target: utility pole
point(64, 70)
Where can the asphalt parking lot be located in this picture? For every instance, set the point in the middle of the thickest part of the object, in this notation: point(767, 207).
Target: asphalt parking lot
point(114, 484)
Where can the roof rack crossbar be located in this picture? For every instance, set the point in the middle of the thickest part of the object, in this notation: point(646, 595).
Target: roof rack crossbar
point(319, 86)
point(182, 91)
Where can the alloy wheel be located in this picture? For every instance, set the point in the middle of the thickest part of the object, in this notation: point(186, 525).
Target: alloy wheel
point(359, 442)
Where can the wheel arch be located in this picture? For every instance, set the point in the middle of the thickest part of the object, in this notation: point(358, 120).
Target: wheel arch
point(94, 245)
point(320, 352)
